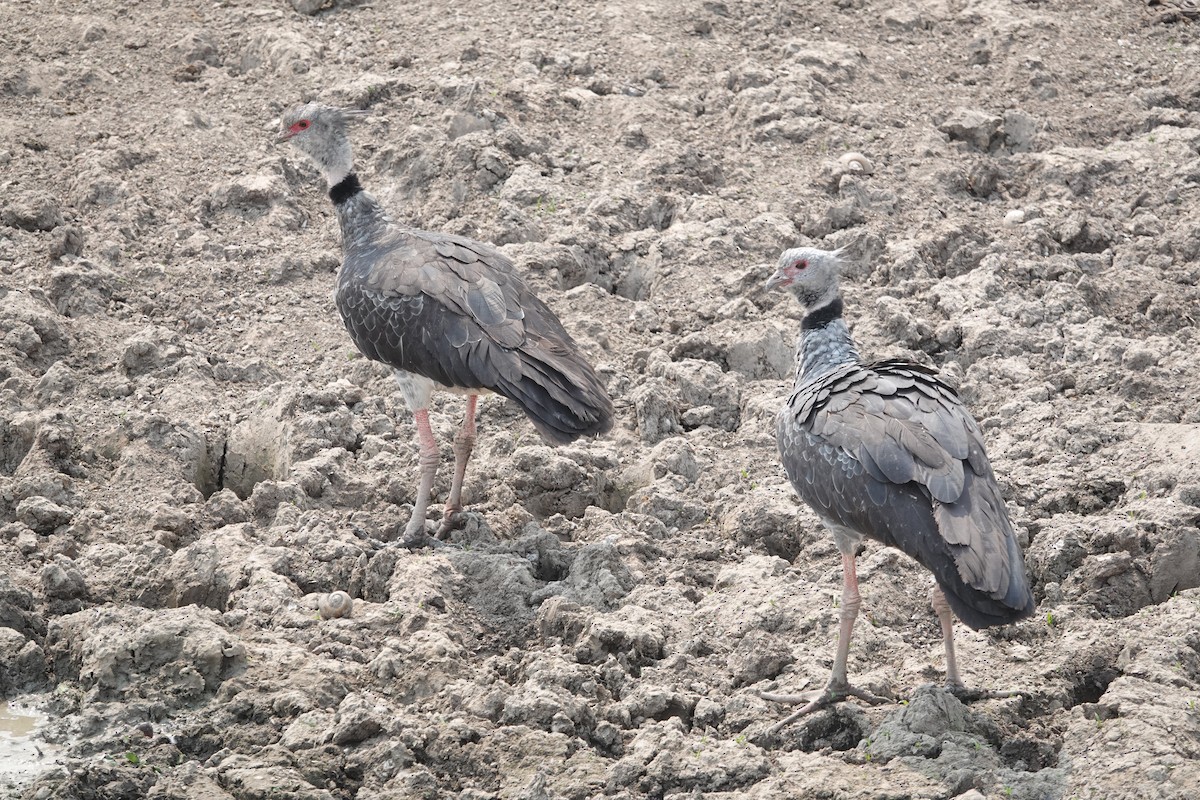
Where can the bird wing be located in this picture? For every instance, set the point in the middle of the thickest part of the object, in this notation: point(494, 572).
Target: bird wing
point(889, 450)
point(457, 311)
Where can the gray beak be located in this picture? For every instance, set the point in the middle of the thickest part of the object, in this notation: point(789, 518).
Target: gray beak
point(776, 281)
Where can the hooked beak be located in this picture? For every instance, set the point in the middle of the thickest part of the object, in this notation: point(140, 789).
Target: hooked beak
point(777, 281)
point(283, 137)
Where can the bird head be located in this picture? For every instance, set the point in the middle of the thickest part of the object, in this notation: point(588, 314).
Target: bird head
point(811, 275)
point(319, 131)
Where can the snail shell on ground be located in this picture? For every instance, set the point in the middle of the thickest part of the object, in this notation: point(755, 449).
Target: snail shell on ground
point(856, 162)
point(335, 604)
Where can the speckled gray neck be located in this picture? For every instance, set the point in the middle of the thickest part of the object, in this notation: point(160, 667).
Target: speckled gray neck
point(823, 348)
point(363, 222)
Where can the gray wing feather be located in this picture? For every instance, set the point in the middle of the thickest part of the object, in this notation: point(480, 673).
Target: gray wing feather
point(888, 450)
point(457, 312)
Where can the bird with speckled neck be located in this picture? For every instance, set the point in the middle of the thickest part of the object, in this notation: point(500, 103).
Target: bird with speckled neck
point(887, 451)
point(445, 313)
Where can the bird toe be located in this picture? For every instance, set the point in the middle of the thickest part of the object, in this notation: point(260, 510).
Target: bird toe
point(971, 695)
point(453, 519)
point(813, 701)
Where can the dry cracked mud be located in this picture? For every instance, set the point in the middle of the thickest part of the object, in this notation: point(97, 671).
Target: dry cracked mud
point(192, 455)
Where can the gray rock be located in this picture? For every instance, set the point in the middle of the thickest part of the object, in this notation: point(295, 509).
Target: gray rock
point(767, 235)
point(702, 383)
point(759, 656)
point(976, 128)
point(283, 51)
point(310, 7)
point(526, 186)
point(631, 634)
point(67, 240)
point(151, 349)
point(248, 196)
point(831, 62)
point(195, 47)
point(766, 519)
point(42, 514)
point(906, 18)
point(669, 501)
point(1054, 554)
point(597, 577)
point(22, 663)
point(307, 731)
point(36, 211)
point(62, 580)
point(919, 727)
point(226, 508)
point(366, 90)
point(655, 404)
point(204, 573)
point(1019, 130)
point(1175, 563)
point(358, 718)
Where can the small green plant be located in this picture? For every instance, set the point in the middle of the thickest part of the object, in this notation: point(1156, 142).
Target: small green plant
point(1008, 790)
point(132, 758)
point(740, 739)
point(744, 473)
point(546, 205)
point(1050, 621)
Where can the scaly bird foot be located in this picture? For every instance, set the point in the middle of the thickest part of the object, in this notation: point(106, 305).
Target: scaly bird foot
point(416, 537)
point(972, 695)
point(452, 520)
point(817, 700)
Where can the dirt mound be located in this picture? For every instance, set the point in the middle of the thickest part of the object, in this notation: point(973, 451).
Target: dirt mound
point(192, 455)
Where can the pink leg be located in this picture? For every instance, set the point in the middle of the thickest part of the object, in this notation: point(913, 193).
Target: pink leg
point(414, 534)
point(839, 686)
point(464, 443)
point(851, 601)
point(942, 609)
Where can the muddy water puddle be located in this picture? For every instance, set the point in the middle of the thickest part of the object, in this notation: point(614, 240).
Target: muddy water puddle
point(22, 756)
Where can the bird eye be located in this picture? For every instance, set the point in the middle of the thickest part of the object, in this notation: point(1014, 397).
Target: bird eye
point(302, 124)
point(801, 264)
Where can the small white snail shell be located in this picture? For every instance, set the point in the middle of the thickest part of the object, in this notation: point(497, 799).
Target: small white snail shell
point(856, 162)
point(335, 604)
point(1014, 218)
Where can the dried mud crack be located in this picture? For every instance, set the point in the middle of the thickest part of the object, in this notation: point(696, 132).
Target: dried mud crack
point(193, 455)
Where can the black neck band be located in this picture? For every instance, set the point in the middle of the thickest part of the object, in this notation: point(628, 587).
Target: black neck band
point(823, 315)
point(344, 189)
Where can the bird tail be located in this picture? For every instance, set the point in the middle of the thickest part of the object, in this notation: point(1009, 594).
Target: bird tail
point(979, 609)
point(984, 581)
point(559, 392)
